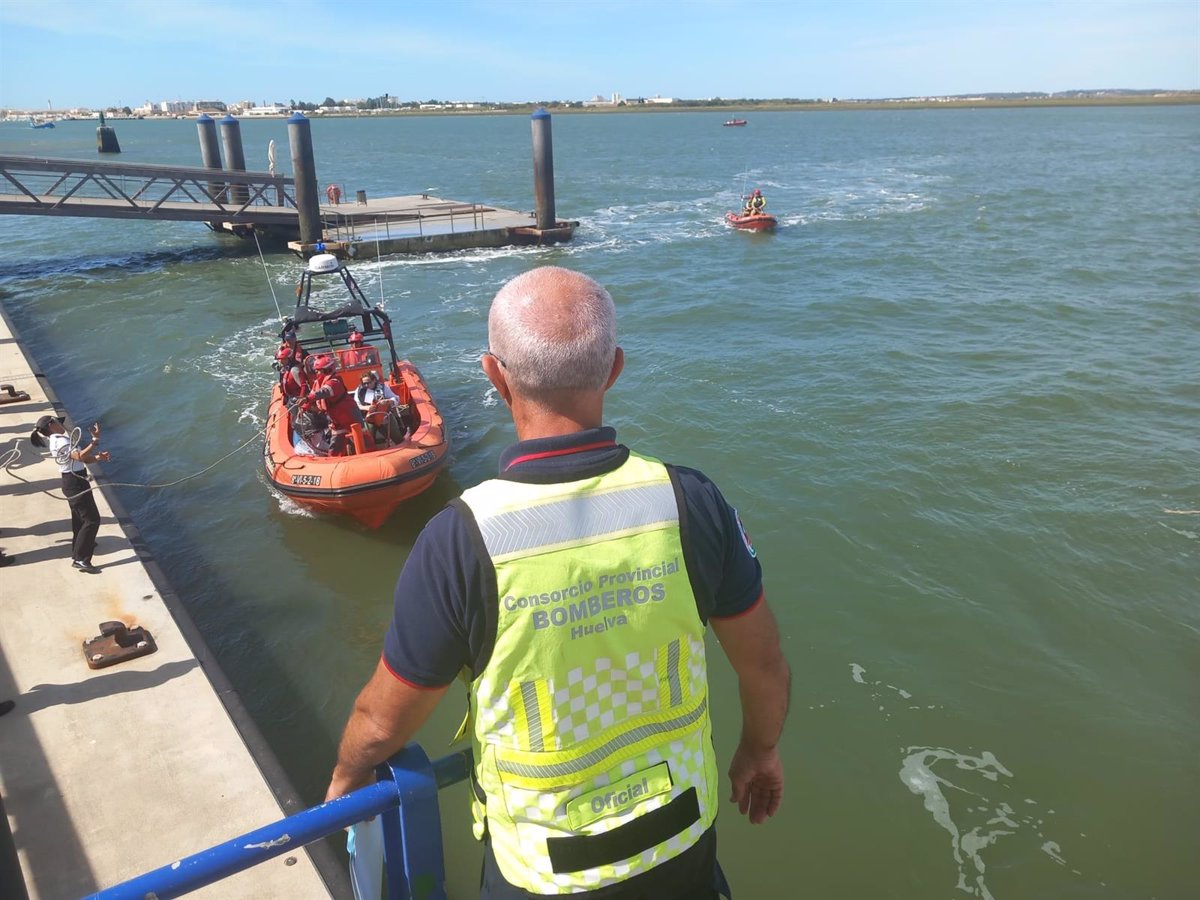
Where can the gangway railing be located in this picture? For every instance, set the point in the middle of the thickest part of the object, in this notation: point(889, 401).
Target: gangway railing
point(103, 189)
point(357, 226)
point(405, 796)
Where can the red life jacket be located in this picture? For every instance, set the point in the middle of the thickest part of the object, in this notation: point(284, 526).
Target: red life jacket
point(292, 387)
point(335, 401)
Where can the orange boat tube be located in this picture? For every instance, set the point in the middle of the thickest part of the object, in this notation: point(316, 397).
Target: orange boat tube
point(753, 222)
point(371, 482)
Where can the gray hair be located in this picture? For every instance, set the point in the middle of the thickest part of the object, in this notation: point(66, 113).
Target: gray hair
point(554, 330)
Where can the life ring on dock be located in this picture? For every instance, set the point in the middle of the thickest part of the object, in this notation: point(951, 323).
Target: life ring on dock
point(334, 193)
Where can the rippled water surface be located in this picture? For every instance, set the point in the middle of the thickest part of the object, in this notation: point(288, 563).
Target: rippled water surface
point(955, 399)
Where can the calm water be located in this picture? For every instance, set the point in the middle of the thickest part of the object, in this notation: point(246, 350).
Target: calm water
point(955, 398)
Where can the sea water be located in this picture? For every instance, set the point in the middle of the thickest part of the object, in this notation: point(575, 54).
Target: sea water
point(954, 399)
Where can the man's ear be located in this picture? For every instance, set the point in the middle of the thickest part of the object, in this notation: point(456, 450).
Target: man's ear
point(495, 374)
point(617, 367)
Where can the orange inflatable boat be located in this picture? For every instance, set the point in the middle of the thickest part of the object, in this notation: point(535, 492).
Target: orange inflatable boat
point(397, 443)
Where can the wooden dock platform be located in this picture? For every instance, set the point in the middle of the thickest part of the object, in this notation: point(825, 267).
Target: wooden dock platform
point(108, 773)
point(420, 223)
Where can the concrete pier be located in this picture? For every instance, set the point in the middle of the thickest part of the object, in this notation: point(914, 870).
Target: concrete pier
point(111, 772)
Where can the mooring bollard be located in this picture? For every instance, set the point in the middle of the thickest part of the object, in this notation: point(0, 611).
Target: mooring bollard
point(543, 169)
point(304, 171)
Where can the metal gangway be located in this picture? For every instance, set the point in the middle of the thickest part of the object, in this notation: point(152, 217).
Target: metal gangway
point(405, 796)
point(35, 186)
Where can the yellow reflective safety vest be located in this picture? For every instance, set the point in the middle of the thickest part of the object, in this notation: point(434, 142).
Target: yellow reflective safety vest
point(593, 747)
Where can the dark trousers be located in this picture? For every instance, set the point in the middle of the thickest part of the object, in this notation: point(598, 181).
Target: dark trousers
point(85, 517)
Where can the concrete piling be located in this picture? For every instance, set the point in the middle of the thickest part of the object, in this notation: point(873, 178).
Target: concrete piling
point(543, 169)
point(106, 138)
point(304, 171)
point(235, 157)
point(210, 152)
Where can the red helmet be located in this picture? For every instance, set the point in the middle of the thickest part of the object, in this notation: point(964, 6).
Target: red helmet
point(757, 192)
point(283, 352)
point(356, 338)
point(325, 364)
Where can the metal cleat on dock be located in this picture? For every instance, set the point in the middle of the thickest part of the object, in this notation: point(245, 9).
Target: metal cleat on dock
point(11, 395)
point(117, 643)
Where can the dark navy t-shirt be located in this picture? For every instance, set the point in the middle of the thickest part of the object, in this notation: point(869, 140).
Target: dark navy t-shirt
point(439, 624)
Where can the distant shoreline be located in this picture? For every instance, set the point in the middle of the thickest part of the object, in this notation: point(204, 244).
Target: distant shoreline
point(1183, 98)
point(740, 109)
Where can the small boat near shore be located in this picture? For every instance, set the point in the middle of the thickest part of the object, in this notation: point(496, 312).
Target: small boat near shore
point(400, 448)
point(734, 123)
point(752, 222)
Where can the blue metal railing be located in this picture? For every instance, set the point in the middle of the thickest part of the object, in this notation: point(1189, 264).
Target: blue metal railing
point(405, 796)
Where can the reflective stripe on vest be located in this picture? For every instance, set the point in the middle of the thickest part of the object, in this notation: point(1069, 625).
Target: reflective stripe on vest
point(592, 737)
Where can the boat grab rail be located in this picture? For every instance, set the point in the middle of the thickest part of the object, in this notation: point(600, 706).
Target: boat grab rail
point(405, 797)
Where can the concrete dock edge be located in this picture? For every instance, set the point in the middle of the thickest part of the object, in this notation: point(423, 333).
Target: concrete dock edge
point(25, 587)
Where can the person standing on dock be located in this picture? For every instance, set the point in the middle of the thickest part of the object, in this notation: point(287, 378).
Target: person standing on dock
point(85, 516)
point(574, 590)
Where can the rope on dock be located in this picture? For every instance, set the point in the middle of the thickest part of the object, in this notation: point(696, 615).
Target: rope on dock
point(13, 454)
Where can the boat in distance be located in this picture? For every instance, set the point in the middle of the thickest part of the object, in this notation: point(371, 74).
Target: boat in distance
point(401, 445)
point(751, 222)
point(734, 123)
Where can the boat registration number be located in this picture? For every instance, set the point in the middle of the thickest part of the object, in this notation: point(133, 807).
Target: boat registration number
point(306, 479)
point(417, 461)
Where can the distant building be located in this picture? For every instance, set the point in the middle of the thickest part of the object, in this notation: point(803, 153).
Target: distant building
point(258, 112)
point(209, 106)
point(617, 100)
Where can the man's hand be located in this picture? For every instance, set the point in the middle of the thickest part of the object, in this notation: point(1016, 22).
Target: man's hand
point(103, 456)
point(387, 712)
point(341, 785)
point(751, 642)
point(756, 779)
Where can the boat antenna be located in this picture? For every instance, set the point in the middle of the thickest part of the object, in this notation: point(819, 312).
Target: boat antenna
point(379, 258)
point(265, 272)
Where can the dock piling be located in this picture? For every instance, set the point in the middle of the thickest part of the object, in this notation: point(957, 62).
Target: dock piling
point(543, 169)
point(304, 172)
point(210, 153)
point(235, 157)
point(106, 138)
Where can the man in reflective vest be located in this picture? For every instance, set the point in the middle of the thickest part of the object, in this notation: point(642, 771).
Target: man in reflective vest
point(573, 592)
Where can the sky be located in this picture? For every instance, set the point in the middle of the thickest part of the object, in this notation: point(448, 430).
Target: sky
point(100, 53)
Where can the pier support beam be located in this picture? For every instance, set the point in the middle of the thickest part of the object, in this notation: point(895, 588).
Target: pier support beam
point(235, 157)
point(304, 172)
point(210, 152)
point(543, 169)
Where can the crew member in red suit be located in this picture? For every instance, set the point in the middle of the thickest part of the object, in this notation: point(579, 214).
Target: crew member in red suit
point(331, 397)
point(359, 353)
point(291, 375)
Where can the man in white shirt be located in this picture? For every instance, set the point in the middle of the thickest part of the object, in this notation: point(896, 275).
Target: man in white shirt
point(85, 517)
point(381, 408)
